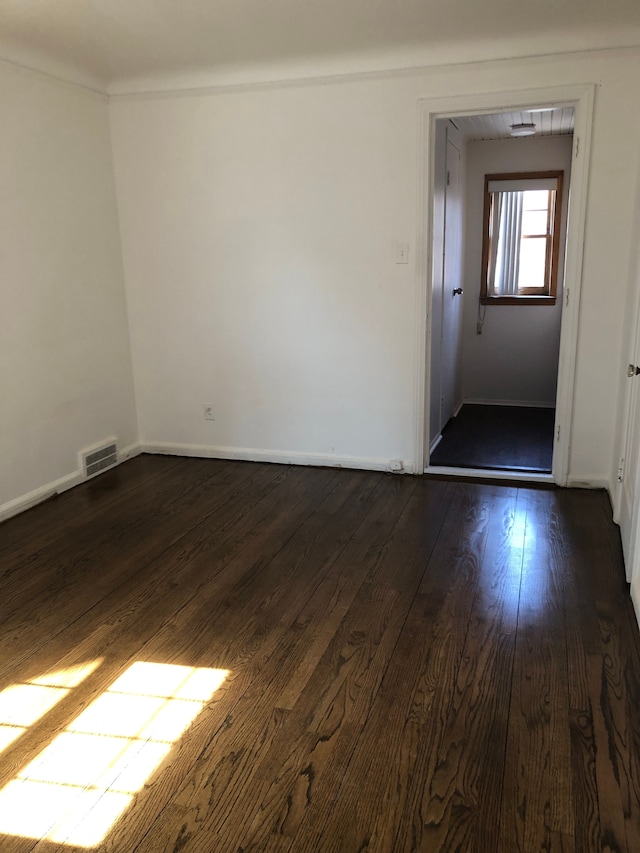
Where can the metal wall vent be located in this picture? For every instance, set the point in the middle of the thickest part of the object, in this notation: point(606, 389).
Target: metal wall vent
point(94, 461)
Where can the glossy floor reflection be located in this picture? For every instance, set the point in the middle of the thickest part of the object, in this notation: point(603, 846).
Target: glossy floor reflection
point(414, 664)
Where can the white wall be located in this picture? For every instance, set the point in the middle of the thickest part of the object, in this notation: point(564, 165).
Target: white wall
point(65, 366)
point(516, 357)
point(258, 233)
point(258, 227)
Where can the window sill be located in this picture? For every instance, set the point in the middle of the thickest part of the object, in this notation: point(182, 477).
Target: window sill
point(518, 300)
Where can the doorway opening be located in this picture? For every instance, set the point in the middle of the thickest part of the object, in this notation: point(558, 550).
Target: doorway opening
point(499, 213)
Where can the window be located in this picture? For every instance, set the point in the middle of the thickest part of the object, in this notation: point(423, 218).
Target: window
point(521, 238)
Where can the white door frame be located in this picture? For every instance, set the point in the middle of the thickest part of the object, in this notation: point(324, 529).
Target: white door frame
point(429, 111)
point(630, 393)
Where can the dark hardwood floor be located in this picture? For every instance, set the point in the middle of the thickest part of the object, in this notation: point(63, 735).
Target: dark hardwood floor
point(504, 438)
point(407, 665)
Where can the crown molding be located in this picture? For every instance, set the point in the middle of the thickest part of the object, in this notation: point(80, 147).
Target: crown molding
point(184, 87)
point(52, 70)
point(318, 72)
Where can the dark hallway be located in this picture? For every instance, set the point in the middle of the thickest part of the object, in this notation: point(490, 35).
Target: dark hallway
point(511, 438)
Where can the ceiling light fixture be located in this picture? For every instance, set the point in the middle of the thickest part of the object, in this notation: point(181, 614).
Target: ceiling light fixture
point(525, 129)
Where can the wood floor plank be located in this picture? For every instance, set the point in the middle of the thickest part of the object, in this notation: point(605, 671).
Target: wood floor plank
point(127, 539)
point(133, 578)
point(537, 785)
point(120, 641)
point(287, 799)
point(279, 524)
point(618, 713)
point(50, 548)
point(61, 514)
point(450, 578)
point(368, 805)
point(412, 664)
point(612, 679)
point(264, 682)
point(131, 616)
point(459, 805)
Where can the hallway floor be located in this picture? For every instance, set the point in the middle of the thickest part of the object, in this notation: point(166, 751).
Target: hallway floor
point(509, 438)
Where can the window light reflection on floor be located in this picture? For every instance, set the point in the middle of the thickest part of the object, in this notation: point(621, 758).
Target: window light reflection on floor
point(80, 784)
point(22, 705)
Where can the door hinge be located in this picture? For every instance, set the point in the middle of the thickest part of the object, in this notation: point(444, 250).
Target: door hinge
point(577, 146)
point(621, 470)
point(558, 432)
point(448, 178)
point(566, 298)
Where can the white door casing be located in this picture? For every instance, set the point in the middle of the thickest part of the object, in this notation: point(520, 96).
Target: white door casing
point(628, 515)
point(627, 504)
point(434, 421)
point(430, 110)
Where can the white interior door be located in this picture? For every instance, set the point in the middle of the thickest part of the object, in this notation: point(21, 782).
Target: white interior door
point(446, 296)
point(452, 282)
point(629, 514)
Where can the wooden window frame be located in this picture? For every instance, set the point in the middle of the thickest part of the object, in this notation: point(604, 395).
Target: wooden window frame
point(528, 296)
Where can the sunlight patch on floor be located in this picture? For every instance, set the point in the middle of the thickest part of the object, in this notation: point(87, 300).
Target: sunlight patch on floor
point(80, 784)
point(22, 705)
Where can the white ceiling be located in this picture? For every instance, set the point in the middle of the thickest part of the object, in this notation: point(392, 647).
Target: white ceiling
point(113, 41)
point(548, 122)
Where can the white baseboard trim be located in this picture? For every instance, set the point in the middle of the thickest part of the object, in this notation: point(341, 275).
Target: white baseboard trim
point(281, 457)
point(583, 482)
point(528, 404)
point(43, 493)
point(457, 408)
point(436, 441)
point(37, 496)
point(129, 452)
